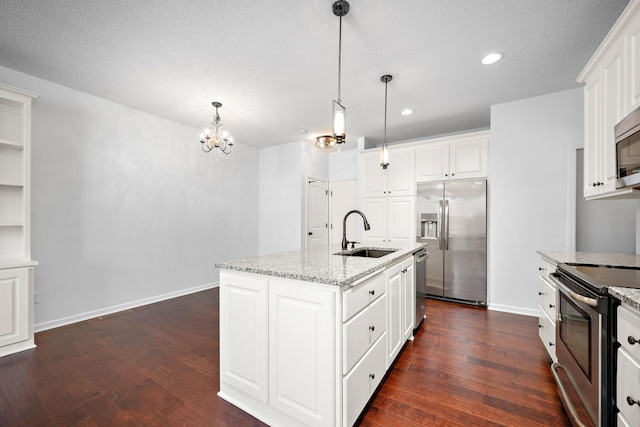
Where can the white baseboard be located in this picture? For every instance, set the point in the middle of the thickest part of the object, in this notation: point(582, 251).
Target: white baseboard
point(514, 310)
point(121, 307)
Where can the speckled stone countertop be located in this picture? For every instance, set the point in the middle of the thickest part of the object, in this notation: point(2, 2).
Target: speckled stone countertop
point(626, 295)
point(320, 265)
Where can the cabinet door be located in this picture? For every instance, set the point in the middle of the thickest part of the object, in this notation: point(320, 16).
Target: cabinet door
point(591, 138)
point(613, 110)
point(394, 312)
point(302, 352)
point(401, 227)
point(14, 306)
point(401, 172)
point(375, 209)
point(374, 178)
point(243, 334)
point(408, 298)
point(469, 158)
point(633, 65)
point(432, 162)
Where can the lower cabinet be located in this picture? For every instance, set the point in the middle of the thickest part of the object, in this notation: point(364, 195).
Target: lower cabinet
point(547, 302)
point(628, 371)
point(301, 353)
point(401, 306)
point(16, 315)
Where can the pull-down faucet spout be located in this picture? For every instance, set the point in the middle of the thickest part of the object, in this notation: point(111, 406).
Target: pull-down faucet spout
point(345, 242)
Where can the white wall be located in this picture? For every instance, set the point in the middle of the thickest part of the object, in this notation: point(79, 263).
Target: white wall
point(126, 208)
point(531, 191)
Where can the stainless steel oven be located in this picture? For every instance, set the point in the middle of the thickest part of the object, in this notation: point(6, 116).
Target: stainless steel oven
point(583, 371)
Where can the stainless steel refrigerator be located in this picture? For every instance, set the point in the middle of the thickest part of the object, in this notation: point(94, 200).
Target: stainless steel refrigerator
point(452, 219)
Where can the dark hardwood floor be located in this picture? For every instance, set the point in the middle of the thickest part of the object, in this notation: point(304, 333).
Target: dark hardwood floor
point(158, 365)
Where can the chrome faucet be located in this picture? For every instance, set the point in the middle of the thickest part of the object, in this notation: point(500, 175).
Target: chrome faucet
point(345, 242)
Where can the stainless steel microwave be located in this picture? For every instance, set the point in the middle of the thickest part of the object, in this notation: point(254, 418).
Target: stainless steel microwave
point(627, 134)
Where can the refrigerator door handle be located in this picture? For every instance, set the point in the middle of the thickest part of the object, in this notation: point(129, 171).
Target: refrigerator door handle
point(446, 225)
point(440, 216)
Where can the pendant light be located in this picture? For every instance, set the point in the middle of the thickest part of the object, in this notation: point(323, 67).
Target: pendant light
point(339, 117)
point(384, 152)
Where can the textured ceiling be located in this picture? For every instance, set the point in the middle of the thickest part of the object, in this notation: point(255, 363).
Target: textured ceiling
point(273, 64)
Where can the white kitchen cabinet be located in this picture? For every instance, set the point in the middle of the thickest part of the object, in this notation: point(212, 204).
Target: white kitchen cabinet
point(628, 371)
point(16, 266)
point(400, 306)
point(397, 180)
point(547, 307)
point(243, 327)
point(632, 42)
point(609, 95)
point(302, 351)
point(456, 157)
point(392, 219)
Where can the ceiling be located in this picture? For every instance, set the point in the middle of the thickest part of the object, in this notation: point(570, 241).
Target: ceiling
point(274, 64)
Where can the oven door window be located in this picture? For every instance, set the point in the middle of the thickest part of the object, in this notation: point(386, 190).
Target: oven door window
point(575, 332)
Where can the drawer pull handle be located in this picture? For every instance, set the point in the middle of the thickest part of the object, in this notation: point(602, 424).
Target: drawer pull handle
point(373, 377)
point(632, 402)
point(372, 292)
point(372, 328)
point(632, 340)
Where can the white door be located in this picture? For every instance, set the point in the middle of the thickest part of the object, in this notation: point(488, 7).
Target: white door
point(344, 198)
point(317, 213)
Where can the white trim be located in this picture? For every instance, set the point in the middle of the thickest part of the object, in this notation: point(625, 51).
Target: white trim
point(514, 310)
point(116, 308)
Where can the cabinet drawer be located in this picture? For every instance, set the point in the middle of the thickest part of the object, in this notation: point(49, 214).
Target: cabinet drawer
point(545, 267)
point(547, 332)
point(362, 381)
point(362, 331)
point(629, 329)
point(628, 379)
point(547, 297)
point(358, 297)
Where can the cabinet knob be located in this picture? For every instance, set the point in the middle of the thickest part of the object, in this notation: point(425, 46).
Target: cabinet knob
point(551, 344)
point(540, 268)
point(452, 174)
point(372, 376)
point(540, 326)
point(540, 293)
point(632, 340)
point(372, 292)
point(372, 328)
point(595, 184)
point(632, 402)
point(551, 306)
point(446, 174)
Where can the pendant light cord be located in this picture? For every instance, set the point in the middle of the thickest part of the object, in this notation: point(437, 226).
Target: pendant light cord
point(339, 58)
point(385, 113)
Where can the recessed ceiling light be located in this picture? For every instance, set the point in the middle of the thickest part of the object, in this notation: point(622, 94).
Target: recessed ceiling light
point(491, 58)
point(407, 112)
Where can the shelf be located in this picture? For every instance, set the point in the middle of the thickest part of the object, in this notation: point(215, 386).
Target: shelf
point(14, 145)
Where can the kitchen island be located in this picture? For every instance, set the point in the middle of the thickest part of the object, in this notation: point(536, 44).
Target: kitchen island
point(307, 336)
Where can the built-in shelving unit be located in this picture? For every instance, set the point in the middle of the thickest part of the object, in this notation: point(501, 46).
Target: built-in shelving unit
point(16, 265)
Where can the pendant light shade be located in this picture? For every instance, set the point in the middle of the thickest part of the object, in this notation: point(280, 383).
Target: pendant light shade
point(384, 151)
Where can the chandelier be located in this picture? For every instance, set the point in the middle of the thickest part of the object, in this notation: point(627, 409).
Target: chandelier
point(339, 118)
point(214, 137)
point(384, 152)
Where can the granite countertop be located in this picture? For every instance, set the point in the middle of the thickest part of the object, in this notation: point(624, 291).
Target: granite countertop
point(320, 265)
point(629, 296)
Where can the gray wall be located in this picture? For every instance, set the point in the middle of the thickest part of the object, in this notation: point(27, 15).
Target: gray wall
point(603, 225)
point(531, 191)
point(126, 208)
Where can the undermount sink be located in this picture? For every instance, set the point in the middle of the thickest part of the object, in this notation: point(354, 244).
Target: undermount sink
point(369, 253)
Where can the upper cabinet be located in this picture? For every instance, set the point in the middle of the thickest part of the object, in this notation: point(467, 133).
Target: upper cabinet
point(612, 90)
point(397, 180)
point(458, 157)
